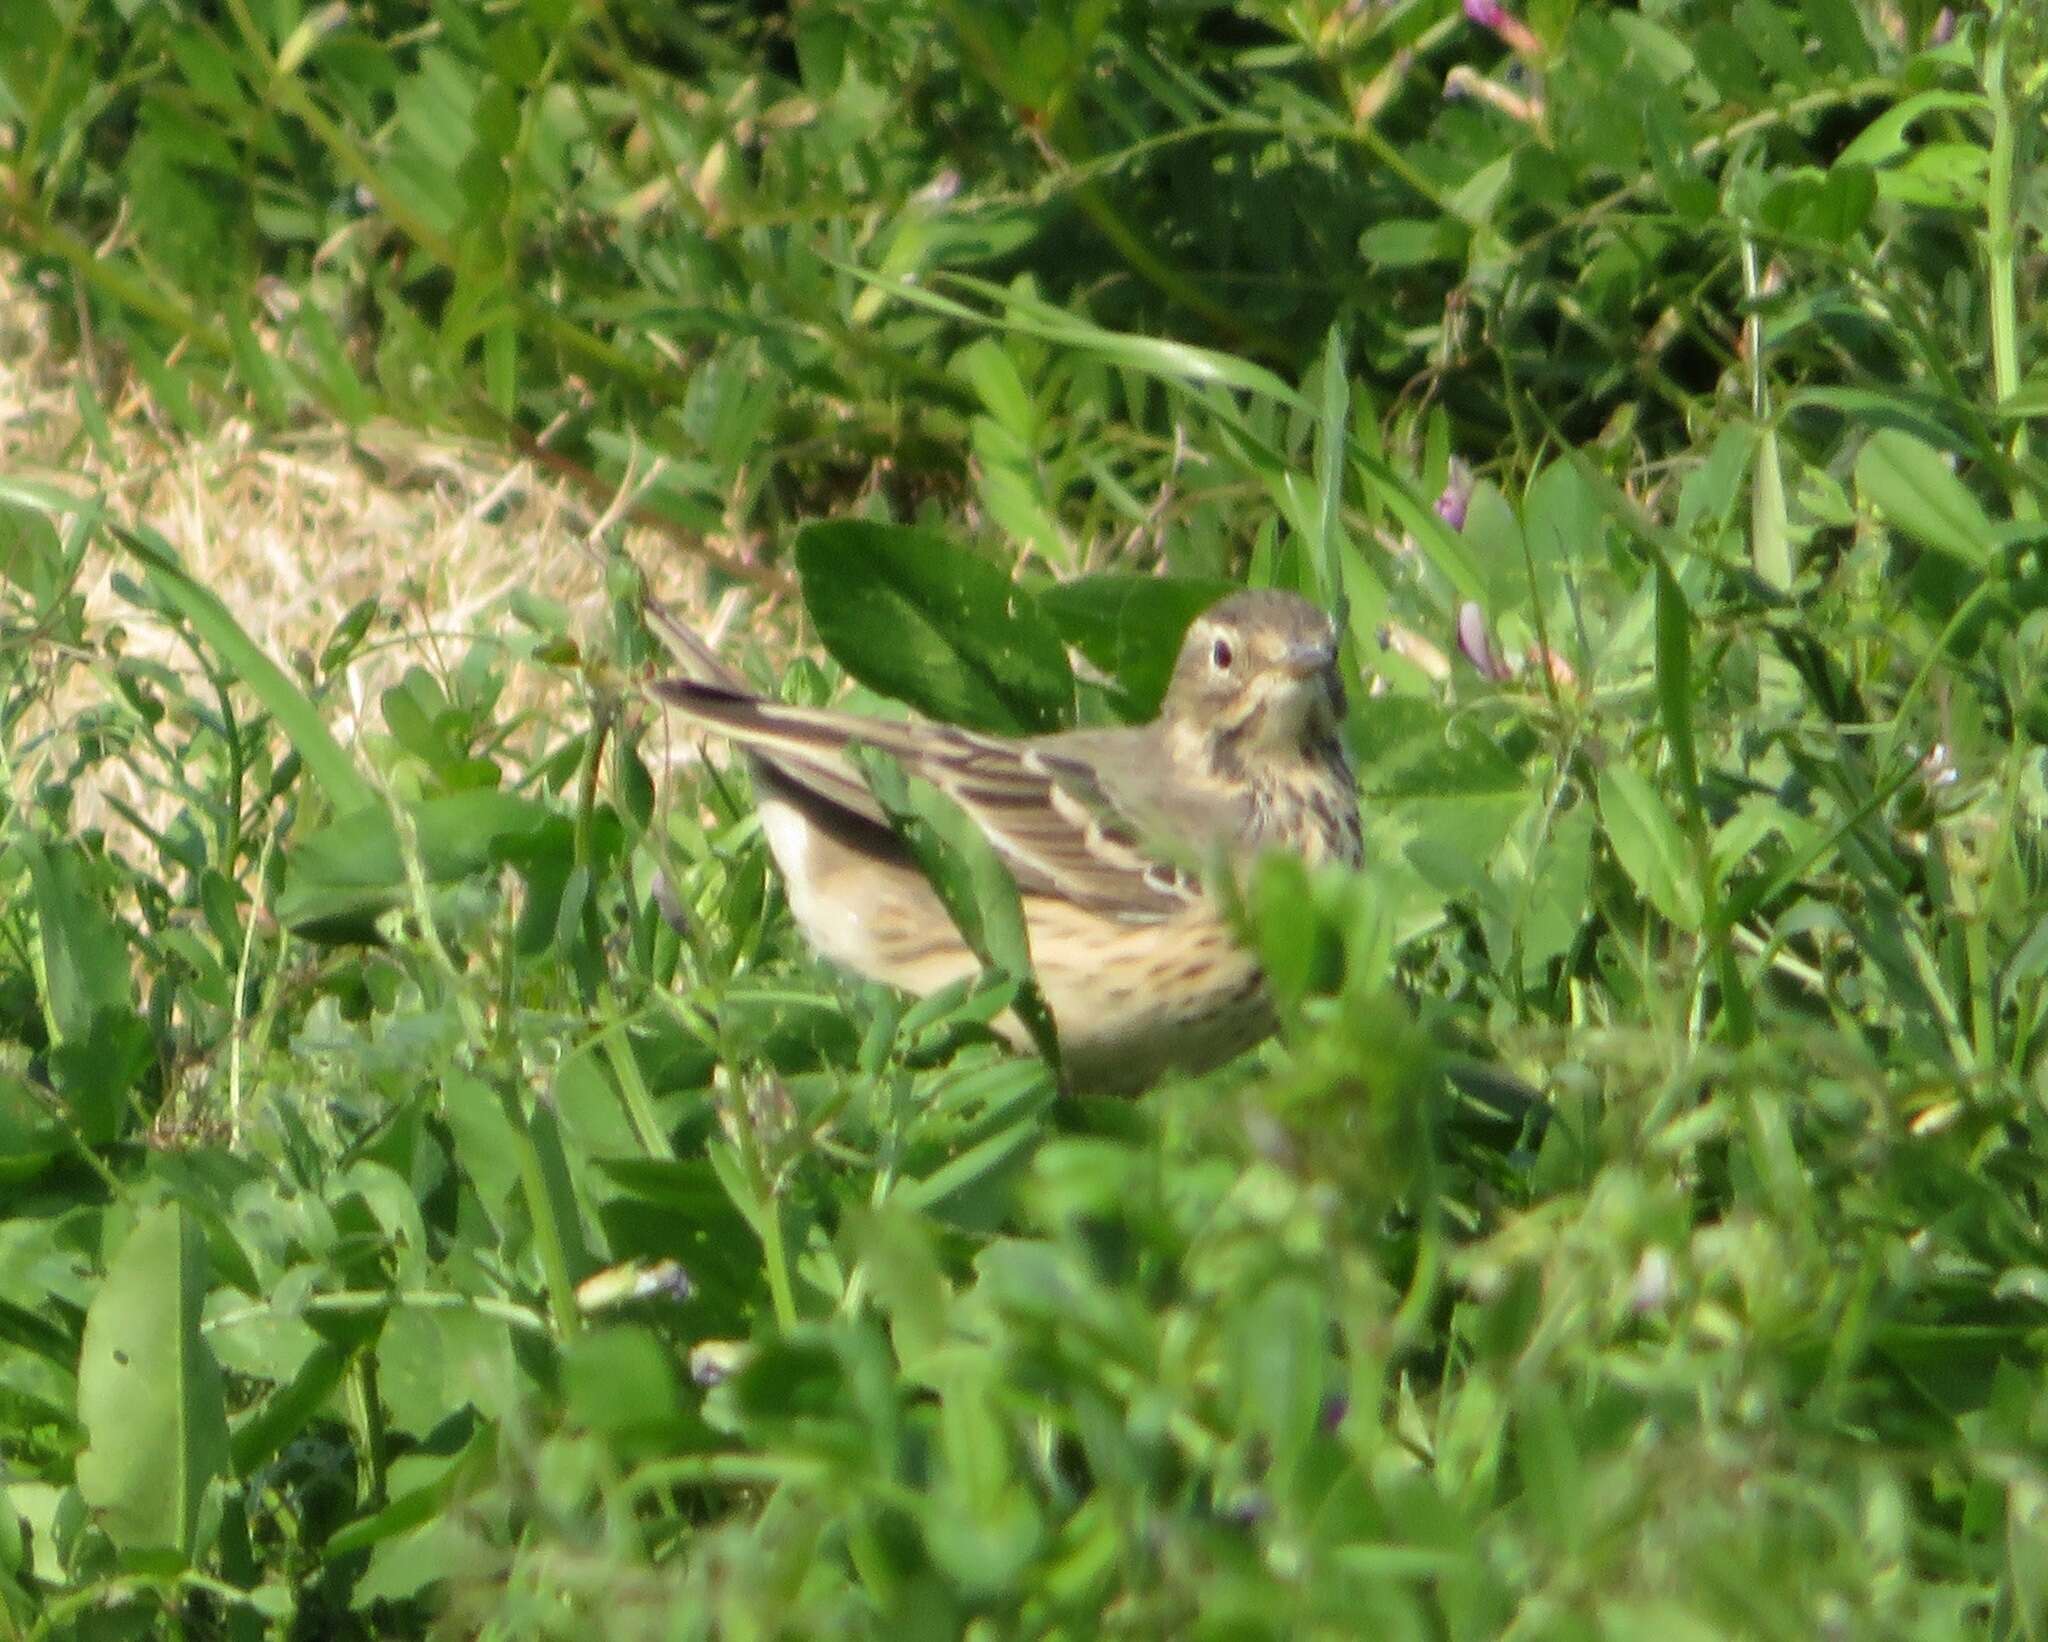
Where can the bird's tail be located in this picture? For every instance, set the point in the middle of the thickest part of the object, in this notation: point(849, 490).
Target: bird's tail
point(696, 659)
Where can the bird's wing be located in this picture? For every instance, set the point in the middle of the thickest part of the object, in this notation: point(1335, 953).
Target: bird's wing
point(1043, 807)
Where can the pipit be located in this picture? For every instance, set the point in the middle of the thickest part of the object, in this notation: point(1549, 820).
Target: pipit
point(1104, 831)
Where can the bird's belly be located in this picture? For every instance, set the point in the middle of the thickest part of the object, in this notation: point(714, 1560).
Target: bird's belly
point(1131, 1000)
point(876, 917)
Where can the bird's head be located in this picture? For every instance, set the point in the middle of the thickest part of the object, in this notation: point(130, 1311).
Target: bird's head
point(1257, 674)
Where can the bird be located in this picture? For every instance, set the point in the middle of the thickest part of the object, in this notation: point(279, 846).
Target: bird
point(1112, 835)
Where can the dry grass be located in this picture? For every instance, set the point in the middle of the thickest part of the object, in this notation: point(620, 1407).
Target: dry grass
point(291, 532)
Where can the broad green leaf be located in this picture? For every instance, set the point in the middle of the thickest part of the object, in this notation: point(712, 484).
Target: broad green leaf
point(900, 1261)
point(1131, 627)
point(1911, 485)
point(1938, 177)
point(910, 614)
point(1777, 43)
point(1563, 526)
point(1008, 478)
point(1294, 944)
point(95, 1071)
point(1408, 748)
point(1648, 844)
point(149, 1391)
point(1726, 60)
point(348, 872)
point(1843, 204)
point(1412, 242)
point(621, 1382)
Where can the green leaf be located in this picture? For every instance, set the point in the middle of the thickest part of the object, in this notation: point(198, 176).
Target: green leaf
point(149, 1391)
point(1284, 1363)
point(1911, 485)
point(1939, 177)
point(1840, 32)
point(1770, 536)
point(1830, 206)
point(621, 1382)
point(1412, 242)
point(1779, 46)
point(1884, 138)
point(994, 1155)
point(85, 960)
point(1409, 748)
point(30, 1141)
point(1648, 845)
point(100, 1045)
point(1131, 627)
point(345, 786)
point(348, 872)
point(1843, 205)
point(408, 1510)
point(1674, 679)
point(1155, 356)
point(909, 613)
point(980, 1525)
point(1009, 479)
point(289, 1408)
point(969, 878)
point(1689, 193)
point(94, 1071)
point(1294, 945)
point(1332, 432)
point(987, 364)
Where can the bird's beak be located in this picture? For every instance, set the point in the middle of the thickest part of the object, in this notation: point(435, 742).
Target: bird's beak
point(1306, 660)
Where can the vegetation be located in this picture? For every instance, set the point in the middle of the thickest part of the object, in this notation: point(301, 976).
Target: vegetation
point(441, 1194)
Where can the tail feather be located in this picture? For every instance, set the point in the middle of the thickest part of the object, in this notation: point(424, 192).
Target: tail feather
point(699, 662)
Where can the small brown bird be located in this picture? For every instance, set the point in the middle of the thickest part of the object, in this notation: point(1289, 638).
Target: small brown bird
point(1099, 827)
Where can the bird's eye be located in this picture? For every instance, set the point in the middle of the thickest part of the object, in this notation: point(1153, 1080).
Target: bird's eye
point(1220, 655)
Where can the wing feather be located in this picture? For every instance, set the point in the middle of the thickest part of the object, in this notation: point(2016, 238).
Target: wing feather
point(1045, 812)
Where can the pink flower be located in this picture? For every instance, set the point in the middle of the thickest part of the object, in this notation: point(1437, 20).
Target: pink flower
point(1477, 643)
point(1457, 494)
point(1515, 34)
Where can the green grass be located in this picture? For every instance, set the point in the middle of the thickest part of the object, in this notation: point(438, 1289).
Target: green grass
point(408, 1227)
